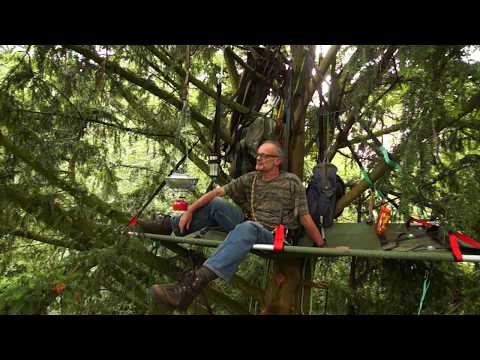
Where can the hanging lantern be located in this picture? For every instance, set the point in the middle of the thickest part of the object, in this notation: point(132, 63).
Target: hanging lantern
point(181, 183)
point(213, 165)
point(178, 181)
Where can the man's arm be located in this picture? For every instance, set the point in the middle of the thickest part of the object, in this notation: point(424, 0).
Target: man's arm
point(202, 201)
point(312, 230)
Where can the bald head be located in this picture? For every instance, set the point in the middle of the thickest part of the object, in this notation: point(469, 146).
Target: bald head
point(274, 146)
point(269, 158)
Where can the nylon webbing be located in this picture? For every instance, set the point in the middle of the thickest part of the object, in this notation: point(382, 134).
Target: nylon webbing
point(363, 172)
point(279, 238)
point(386, 156)
point(426, 285)
point(457, 253)
point(370, 183)
point(393, 165)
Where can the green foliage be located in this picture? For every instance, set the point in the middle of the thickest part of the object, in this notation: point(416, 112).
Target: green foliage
point(105, 141)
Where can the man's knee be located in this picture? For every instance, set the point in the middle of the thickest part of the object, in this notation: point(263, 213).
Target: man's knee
point(219, 204)
point(248, 229)
point(247, 225)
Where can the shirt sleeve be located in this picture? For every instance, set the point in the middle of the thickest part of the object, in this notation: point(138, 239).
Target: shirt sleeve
point(237, 188)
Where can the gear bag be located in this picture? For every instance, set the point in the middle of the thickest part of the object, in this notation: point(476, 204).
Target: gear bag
point(324, 189)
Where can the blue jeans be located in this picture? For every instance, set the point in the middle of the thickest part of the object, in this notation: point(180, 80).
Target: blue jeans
point(241, 237)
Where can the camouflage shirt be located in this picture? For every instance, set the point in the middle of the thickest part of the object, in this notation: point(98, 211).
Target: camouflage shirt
point(280, 200)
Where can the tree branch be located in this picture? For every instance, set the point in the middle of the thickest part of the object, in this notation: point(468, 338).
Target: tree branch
point(175, 141)
point(200, 85)
point(145, 84)
point(382, 168)
point(43, 239)
point(364, 138)
point(341, 139)
point(232, 70)
point(133, 130)
point(75, 190)
point(44, 208)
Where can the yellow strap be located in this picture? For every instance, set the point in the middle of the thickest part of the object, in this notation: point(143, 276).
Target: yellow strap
point(254, 218)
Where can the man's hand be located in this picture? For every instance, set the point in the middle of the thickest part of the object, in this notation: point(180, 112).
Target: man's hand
point(185, 220)
point(312, 230)
point(320, 244)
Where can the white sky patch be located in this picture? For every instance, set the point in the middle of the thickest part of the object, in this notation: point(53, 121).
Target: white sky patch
point(474, 57)
point(323, 49)
point(104, 51)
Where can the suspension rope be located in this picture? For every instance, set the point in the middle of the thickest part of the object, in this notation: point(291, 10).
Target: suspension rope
point(302, 287)
point(220, 76)
point(264, 284)
point(327, 267)
point(287, 117)
point(425, 286)
point(310, 262)
point(265, 277)
point(184, 94)
point(312, 272)
point(326, 129)
point(214, 156)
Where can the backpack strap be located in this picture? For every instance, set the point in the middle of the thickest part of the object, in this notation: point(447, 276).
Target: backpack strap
point(323, 172)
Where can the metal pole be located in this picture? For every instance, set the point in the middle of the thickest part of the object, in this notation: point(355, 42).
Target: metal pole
point(314, 251)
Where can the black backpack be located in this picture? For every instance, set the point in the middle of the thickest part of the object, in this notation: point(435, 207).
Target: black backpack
point(323, 191)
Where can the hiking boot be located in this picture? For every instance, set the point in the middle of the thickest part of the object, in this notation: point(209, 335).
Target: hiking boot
point(162, 226)
point(180, 295)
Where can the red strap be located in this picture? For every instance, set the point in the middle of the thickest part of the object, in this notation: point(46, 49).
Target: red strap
point(279, 237)
point(425, 223)
point(133, 221)
point(456, 248)
point(457, 254)
point(468, 240)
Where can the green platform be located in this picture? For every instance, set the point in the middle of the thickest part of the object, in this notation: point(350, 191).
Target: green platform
point(348, 239)
point(356, 236)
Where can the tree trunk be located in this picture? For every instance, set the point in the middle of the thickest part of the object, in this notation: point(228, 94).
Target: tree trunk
point(285, 281)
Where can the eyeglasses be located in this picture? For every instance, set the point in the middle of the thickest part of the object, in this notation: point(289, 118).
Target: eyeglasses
point(265, 156)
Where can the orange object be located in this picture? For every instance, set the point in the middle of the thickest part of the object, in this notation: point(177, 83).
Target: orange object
point(383, 219)
point(58, 288)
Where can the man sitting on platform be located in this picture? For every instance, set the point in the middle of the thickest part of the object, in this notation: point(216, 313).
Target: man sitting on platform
point(265, 198)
